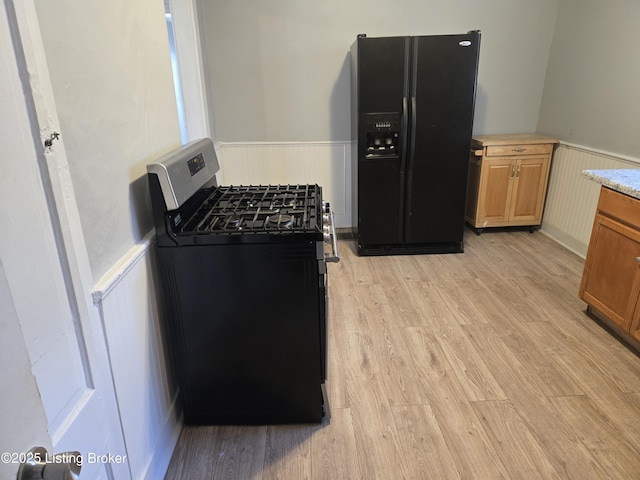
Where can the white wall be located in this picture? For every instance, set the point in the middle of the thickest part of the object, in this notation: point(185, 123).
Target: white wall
point(279, 70)
point(111, 74)
point(591, 94)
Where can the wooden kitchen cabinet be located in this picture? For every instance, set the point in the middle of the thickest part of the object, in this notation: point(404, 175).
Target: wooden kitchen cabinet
point(611, 278)
point(634, 331)
point(507, 183)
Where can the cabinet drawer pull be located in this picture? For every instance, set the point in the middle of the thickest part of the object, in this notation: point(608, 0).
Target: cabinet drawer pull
point(519, 149)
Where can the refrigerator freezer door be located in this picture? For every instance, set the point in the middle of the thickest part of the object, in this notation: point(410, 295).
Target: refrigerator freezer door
point(443, 75)
point(382, 89)
point(380, 198)
point(382, 71)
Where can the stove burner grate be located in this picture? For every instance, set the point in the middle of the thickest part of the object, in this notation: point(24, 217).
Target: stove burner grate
point(254, 209)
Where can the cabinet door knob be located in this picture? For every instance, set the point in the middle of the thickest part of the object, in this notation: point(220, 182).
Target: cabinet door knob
point(638, 259)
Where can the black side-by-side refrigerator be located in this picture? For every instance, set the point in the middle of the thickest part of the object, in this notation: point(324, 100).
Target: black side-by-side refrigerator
point(412, 117)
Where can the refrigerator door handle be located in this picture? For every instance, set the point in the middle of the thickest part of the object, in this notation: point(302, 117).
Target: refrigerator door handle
point(413, 134)
point(409, 171)
point(405, 139)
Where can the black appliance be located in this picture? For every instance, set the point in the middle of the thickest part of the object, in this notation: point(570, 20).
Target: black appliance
point(412, 117)
point(243, 284)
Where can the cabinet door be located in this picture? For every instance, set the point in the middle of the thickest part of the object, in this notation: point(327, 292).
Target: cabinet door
point(635, 324)
point(473, 189)
point(495, 190)
point(530, 180)
point(612, 273)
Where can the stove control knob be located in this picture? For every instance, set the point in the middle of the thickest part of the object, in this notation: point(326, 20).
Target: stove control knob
point(326, 229)
point(327, 237)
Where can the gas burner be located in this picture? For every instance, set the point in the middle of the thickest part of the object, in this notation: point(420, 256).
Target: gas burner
point(283, 200)
point(244, 202)
point(280, 220)
point(234, 221)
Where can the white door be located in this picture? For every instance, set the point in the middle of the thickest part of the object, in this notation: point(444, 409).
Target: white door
point(45, 274)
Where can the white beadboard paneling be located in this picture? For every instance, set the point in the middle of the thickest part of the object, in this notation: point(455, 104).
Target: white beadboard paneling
point(323, 163)
point(570, 205)
point(147, 399)
point(571, 198)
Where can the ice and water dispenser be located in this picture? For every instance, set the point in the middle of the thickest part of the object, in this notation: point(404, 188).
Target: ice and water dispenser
point(382, 134)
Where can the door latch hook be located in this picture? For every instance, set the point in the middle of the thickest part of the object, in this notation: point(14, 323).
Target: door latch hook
point(49, 141)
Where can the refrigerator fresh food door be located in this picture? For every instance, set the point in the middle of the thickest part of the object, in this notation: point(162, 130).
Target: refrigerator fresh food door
point(443, 86)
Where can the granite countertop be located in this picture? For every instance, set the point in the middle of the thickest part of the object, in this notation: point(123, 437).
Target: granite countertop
point(625, 181)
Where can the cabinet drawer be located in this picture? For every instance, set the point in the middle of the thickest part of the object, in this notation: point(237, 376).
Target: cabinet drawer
point(511, 150)
point(619, 206)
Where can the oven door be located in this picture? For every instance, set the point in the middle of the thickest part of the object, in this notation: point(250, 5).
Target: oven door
point(327, 251)
point(323, 303)
point(323, 317)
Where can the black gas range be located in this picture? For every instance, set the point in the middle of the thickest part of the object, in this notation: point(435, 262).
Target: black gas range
point(244, 290)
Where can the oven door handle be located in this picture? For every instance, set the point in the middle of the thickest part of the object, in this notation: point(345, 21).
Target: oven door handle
point(335, 254)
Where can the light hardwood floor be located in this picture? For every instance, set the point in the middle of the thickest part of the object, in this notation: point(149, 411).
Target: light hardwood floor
point(481, 365)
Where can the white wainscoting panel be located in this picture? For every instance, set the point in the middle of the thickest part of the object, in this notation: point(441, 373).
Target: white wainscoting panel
point(147, 398)
point(324, 163)
point(571, 198)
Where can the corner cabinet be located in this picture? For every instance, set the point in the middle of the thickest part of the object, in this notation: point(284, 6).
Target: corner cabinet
point(611, 278)
point(507, 183)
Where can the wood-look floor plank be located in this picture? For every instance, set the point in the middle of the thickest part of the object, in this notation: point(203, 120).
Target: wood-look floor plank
point(464, 300)
point(195, 454)
point(404, 312)
point(377, 445)
point(474, 378)
point(336, 383)
point(427, 454)
point(568, 455)
point(480, 365)
point(241, 453)
point(220, 452)
point(343, 298)
point(598, 351)
point(518, 448)
point(398, 373)
point(408, 267)
point(282, 443)
point(548, 375)
point(623, 409)
point(374, 308)
point(333, 447)
point(364, 270)
point(596, 430)
point(468, 442)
